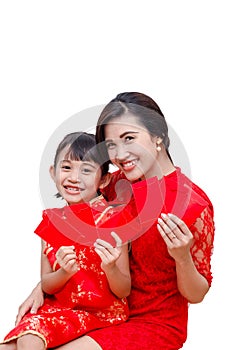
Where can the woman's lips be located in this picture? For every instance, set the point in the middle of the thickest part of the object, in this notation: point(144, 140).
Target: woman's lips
point(129, 165)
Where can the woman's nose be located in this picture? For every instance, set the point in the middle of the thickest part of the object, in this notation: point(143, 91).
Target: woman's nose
point(121, 152)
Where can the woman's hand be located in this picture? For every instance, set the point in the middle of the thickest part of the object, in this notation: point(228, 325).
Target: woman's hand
point(176, 235)
point(108, 254)
point(179, 239)
point(66, 258)
point(31, 304)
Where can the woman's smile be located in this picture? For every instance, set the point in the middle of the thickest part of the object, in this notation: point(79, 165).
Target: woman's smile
point(131, 147)
point(129, 165)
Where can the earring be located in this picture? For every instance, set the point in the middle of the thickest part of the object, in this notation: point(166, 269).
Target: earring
point(158, 147)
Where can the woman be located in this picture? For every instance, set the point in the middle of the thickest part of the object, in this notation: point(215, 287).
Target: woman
point(170, 262)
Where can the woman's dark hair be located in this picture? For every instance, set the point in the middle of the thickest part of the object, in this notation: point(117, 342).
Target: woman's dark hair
point(82, 146)
point(143, 107)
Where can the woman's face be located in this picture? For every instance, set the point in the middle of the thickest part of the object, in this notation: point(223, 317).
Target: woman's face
point(131, 148)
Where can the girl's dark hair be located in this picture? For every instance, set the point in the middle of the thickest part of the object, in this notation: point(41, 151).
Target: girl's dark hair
point(82, 146)
point(143, 107)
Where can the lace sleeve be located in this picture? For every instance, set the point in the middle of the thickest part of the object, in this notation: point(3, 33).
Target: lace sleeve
point(202, 249)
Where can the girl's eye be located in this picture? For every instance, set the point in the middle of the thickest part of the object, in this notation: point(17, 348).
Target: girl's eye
point(66, 167)
point(85, 170)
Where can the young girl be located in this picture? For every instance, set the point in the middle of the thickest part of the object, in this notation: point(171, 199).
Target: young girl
point(85, 287)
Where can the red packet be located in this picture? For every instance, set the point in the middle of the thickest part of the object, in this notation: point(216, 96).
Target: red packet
point(149, 201)
point(77, 223)
point(182, 200)
point(68, 225)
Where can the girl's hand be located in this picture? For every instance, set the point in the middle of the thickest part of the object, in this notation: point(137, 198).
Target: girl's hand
point(108, 254)
point(176, 235)
point(66, 258)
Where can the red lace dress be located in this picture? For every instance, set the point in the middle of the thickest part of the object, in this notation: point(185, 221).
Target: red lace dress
point(158, 312)
point(83, 304)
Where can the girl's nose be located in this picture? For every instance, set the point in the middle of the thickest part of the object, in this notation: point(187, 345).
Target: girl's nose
point(74, 176)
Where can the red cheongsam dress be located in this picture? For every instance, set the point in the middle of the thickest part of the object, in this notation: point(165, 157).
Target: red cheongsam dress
point(158, 312)
point(84, 303)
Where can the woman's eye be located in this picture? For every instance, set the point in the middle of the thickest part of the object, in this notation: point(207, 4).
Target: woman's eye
point(129, 138)
point(110, 145)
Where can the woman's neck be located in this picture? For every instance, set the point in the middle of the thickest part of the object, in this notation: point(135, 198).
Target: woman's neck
point(165, 166)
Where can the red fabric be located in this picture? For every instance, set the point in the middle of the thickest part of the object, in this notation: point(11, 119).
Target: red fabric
point(84, 303)
point(158, 312)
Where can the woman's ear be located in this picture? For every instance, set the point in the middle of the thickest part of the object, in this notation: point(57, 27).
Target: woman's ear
point(105, 180)
point(157, 140)
point(52, 172)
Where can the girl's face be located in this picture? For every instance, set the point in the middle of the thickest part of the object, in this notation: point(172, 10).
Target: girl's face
point(76, 181)
point(131, 148)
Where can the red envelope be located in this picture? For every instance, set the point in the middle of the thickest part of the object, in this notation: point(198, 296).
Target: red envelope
point(83, 224)
point(76, 223)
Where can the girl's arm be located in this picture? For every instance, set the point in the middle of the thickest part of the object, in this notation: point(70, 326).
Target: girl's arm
point(115, 264)
point(53, 281)
point(179, 239)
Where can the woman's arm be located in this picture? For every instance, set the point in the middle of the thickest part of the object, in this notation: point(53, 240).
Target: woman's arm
point(179, 239)
point(191, 284)
point(53, 281)
point(31, 304)
point(115, 264)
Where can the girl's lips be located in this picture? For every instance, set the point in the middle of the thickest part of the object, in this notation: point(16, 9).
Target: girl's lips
point(73, 190)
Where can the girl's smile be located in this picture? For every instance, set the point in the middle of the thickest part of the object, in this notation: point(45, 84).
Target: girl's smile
point(76, 180)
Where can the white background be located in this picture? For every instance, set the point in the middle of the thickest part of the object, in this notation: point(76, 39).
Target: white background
point(61, 57)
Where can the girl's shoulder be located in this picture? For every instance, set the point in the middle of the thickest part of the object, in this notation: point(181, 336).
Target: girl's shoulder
point(110, 192)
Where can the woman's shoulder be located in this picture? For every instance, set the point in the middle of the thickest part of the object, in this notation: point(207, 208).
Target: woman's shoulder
point(184, 198)
point(197, 190)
